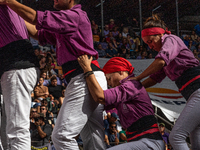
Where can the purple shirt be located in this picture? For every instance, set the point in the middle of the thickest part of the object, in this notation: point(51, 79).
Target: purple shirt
point(70, 30)
point(131, 101)
point(177, 57)
point(12, 27)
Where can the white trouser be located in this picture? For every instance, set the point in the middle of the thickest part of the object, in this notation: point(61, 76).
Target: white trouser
point(80, 113)
point(142, 144)
point(188, 123)
point(17, 86)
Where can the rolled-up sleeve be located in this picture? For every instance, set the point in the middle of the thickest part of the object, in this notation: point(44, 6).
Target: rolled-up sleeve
point(169, 50)
point(61, 22)
point(121, 93)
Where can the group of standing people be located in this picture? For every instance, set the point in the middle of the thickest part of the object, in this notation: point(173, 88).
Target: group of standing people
point(87, 93)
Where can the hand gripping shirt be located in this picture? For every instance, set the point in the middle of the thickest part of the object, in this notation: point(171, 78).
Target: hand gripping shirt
point(70, 30)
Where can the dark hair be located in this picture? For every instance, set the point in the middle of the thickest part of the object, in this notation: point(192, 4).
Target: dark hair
point(53, 78)
point(111, 123)
point(77, 1)
point(154, 21)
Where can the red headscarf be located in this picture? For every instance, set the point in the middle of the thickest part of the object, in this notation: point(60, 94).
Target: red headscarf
point(116, 64)
point(154, 31)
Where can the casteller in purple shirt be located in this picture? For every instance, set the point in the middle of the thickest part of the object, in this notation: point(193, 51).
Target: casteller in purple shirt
point(70, 30)
point(131, 101)
point(177, 56)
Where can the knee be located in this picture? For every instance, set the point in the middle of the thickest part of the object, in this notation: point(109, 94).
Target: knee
point(176, 137)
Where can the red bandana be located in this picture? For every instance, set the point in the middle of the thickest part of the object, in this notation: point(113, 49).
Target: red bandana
point(154, 31)
point(116, 64)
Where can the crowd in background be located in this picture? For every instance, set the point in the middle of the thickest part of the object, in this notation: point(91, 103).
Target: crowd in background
point(48, 95)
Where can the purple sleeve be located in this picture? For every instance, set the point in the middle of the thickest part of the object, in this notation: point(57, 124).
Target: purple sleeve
point(158, 76)
point(57, 21)
point(169, 50)
point(122, 93)
point(46, 37)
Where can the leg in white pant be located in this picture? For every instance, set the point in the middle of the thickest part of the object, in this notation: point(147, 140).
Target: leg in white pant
point(187, 124)
point(17, 86)
point(77, 107)
point(142, 144)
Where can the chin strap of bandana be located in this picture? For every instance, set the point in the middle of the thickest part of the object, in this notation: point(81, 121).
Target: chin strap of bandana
point(154, 31)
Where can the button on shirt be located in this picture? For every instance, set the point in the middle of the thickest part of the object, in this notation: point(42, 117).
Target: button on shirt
point(130, 99)
point(12, 27)
point(70, 30)
point(177, 57)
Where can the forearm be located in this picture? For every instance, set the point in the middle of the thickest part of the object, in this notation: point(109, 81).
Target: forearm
point(116, 140)
point(41, 133)
point(25, 12)
point(148, 82)
point(95, 89)
point(32, 31)
point(157, 65)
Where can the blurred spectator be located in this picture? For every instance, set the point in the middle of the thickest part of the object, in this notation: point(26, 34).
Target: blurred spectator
point(62, 97)
point(149, 56)
point(125, 32)
point(33, 115)
point(165, 135)
point(106, 31)
point(111, 135)
point(194, 36)
point(186, 40)
point(42, 62)
point(112, 119)
point(94, 27)
point(109, 37)
point(123, 52)
point(122, 136)
point(191, 45)
point(101, 51)
point(48, 116)
point(196, 54)
point(198, 48)
point(131, 42)
point(103, 43)
point(41, 135)
point(115, 32)
point(61, 80)
point(111, 24)
point(44, 76)
point(197, 29)
point(119, 39)
point(111, 51)
point(54, 89)
point(143, 55)
point(40, 90)
point(37, 51)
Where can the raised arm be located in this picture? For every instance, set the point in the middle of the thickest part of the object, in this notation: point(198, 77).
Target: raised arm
point(25, 12)
point(95, 89)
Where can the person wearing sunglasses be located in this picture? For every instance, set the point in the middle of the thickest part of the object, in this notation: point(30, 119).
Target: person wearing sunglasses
point(111, 135)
